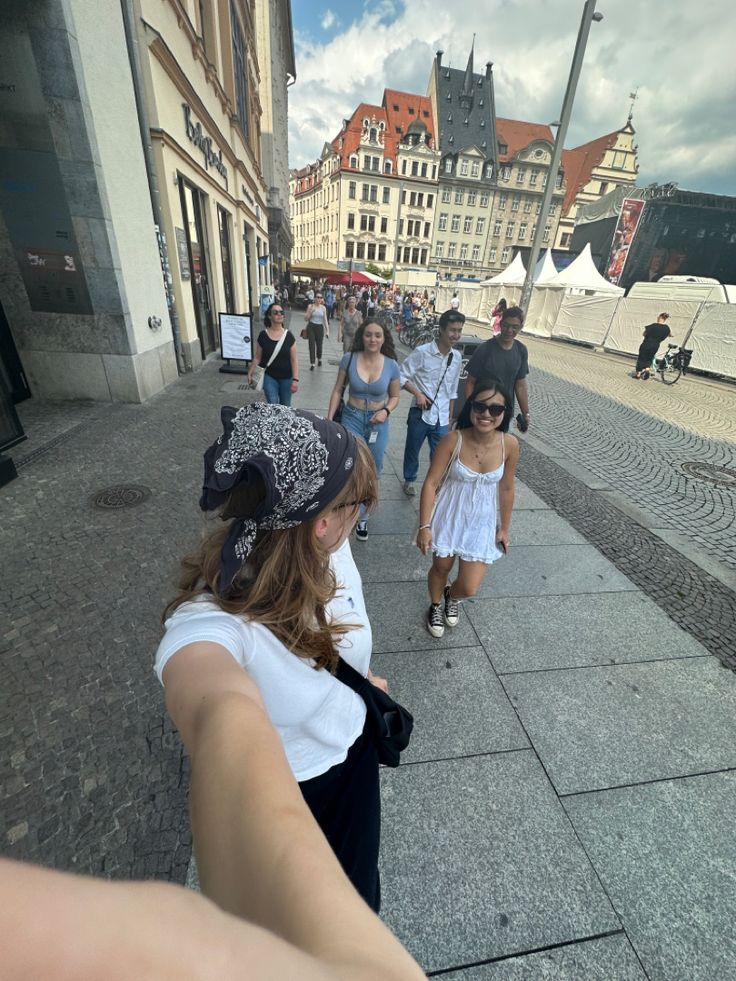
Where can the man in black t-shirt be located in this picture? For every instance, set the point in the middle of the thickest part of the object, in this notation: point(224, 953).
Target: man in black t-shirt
point(504, 358)
point(654, 334)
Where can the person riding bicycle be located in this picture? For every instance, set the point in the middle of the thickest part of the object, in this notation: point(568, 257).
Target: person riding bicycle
point(654, 334)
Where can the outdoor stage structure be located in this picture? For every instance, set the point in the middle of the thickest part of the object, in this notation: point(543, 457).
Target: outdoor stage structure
point(641, 234)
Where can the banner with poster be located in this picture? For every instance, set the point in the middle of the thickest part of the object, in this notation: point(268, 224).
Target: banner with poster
point(235, 336)
point(623, 236)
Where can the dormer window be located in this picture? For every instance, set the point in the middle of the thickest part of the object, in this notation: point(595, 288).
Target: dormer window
point(503, 148)
point(373, 135)
point(353, 160)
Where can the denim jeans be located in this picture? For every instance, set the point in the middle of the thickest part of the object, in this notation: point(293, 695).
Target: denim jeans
point(357, 421)
point(417, 431)
point(277, 390)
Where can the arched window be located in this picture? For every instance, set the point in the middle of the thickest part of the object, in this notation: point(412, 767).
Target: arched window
point(373, 135)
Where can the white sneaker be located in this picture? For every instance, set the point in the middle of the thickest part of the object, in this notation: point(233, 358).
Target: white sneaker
point(409, 488)
point(435, 620)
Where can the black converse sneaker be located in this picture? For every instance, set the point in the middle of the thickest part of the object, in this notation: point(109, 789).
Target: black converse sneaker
point(361, 531)
point(435, 622)
point(452, 609)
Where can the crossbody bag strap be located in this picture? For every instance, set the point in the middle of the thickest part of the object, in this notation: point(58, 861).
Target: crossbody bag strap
point(279, 344)
point(347, 674)
point(347, 377)
point(447, 365)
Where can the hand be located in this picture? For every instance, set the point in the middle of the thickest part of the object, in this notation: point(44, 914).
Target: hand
point(422, 401)
point(380, 416)
point(377, 681)
point(502, 540)
point(294, 386)
point(424, 540)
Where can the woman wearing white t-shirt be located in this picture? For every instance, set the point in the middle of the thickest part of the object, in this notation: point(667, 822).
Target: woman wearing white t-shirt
point(275, 593)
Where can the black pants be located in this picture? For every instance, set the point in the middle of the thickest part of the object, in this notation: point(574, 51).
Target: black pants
point(646, 355)
point(315, 333)
point(346, 804)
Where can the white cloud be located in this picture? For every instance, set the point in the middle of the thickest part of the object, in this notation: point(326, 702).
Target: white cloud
point(328, 19)
point(681, 63)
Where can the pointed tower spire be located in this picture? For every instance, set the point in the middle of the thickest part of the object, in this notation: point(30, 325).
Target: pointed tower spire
point(468, 80)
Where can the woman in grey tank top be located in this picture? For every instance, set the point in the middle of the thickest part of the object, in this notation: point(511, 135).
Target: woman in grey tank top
point(316, 317)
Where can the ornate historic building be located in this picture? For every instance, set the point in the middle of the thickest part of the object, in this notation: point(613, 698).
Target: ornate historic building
point(464, 117)
point(592, 170)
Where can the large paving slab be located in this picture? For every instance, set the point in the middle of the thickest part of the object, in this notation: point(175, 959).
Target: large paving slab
point(535, 633)
point(539, 570)
point(458, 704)
point(601, 959)
point(542, 527)
point(479, 861)
point(394, 559)
point(602, 727)
point(397, 613)
point(666, 854)
point(394, 517)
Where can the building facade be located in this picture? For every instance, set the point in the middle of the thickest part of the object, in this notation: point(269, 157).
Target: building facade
point(592, 170)
point(525, 154)
point(464, 117)
point(277, 65)
point(134, 207)
point(371, 196)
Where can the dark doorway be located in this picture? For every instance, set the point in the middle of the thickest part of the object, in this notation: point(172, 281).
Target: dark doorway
point(192, 206)
point(223, 222)
point(11, 369)
point(246, 239)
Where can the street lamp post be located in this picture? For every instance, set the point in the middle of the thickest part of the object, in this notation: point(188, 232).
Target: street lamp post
point(589, 15)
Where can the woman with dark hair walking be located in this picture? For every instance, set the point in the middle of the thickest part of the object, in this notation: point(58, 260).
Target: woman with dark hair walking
point(371, 375)
point(466, 502)
point(317, 327)
point(273, 592)
point(276, 354)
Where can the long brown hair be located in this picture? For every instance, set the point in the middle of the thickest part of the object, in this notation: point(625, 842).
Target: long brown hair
point(387, 348)
point(287, 582)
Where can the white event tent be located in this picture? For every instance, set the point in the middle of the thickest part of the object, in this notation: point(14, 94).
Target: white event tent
point(513, 275)
point(545, 269)
point(577, 303)
point(581, 276)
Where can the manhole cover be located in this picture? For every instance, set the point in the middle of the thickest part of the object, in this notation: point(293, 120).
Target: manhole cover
point(120, 496)
point(721, 476)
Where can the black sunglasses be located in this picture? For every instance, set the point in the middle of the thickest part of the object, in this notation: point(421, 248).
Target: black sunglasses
point(276, 312)
point(482, 407)
point(351, 504)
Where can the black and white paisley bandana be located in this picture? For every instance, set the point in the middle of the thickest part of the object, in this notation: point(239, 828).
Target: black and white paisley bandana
point(304, 461)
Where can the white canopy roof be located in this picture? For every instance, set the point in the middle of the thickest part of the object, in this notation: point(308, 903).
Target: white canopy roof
point(581, 274)
point(513, 275)
point(545, 269)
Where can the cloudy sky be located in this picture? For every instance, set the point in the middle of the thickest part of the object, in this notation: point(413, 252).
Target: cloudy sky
point(679, 55)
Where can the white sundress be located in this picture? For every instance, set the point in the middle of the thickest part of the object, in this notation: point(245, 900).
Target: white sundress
point(466, 517)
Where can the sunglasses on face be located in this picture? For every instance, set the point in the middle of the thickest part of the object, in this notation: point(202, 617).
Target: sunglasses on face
point(351, 505)
point(480, 408)
point(277, 313)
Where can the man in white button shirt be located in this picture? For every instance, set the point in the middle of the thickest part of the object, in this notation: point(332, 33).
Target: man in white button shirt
point(431, 374)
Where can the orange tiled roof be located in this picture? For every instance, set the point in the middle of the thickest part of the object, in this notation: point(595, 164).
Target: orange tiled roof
point(579, 164)
point(393, 119)
point(516, 135)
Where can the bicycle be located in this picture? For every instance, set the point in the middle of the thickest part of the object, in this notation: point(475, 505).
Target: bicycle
point(673, 364)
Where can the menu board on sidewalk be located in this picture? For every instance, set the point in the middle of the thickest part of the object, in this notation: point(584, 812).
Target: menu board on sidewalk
point(235, 336)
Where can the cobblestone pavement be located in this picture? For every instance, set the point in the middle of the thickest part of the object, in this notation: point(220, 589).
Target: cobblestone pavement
point(636, 436)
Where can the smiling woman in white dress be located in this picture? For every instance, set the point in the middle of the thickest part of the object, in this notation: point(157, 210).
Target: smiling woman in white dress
point(466, 502)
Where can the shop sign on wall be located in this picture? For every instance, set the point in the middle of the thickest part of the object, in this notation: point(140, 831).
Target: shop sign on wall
point(204, 143)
